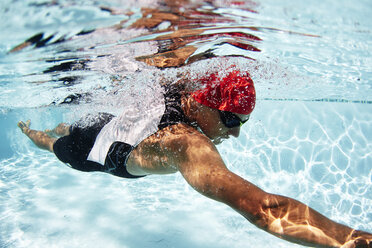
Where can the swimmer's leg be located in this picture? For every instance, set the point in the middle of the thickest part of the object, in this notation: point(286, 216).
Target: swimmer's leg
point(62, 129)
point(40, 138)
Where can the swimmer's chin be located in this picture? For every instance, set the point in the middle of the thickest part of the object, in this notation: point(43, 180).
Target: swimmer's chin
point(218, 140)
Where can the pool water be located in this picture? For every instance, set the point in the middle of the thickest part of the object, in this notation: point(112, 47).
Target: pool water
point(308, 138)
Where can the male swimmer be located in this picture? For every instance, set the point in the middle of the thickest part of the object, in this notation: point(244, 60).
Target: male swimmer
point(179, 134)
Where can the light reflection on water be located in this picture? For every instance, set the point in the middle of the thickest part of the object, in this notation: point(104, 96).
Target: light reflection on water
point(316, 152)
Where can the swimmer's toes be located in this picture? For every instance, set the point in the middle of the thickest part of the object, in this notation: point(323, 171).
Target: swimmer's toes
point(23, 125)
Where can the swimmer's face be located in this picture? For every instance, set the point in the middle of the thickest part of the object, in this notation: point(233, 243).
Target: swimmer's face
point(211, 124)
point(225, 132)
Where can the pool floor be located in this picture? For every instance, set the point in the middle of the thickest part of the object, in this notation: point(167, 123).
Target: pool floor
point(316, 152)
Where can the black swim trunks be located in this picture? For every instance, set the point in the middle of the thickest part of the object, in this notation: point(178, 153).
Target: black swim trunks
point(104, 142)
point(74, 148)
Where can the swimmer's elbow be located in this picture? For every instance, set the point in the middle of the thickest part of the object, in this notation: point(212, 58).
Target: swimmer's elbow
point(270, 207)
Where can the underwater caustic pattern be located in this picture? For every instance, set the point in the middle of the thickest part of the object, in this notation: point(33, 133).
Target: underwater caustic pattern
point(308, 138)
point(323, 161)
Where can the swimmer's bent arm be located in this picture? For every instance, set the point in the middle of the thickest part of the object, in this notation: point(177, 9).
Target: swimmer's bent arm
point(286, 218)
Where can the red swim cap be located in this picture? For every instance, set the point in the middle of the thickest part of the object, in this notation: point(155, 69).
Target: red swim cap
point(234, 93)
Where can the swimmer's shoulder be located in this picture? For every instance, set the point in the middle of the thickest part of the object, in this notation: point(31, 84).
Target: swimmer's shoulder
point(174, 138)
point(164, 151)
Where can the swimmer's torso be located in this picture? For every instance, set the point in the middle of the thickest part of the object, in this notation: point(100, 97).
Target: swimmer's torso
point(161, 152)
point(143, 123)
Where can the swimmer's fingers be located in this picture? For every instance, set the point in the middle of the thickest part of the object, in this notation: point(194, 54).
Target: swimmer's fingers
point(363, 243)
point(358, 243)
point(359, 239)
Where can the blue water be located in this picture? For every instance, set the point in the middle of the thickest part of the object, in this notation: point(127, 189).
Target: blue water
point(308, 138)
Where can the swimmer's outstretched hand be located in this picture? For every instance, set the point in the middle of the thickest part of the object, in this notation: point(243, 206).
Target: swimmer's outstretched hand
point(359, 239)
point(24, 126)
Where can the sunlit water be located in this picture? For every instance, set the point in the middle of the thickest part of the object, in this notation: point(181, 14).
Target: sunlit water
point(308, 138)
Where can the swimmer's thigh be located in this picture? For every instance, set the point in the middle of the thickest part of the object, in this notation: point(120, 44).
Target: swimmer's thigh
point(74, 148)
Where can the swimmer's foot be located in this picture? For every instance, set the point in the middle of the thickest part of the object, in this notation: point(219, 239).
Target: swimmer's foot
point(24, 126)
point(62, 129)
point(40, 139)
point(50, 132)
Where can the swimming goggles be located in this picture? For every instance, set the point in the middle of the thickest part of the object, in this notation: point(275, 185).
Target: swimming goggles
point(231, 120)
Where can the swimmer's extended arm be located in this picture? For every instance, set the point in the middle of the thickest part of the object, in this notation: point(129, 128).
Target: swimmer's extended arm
point(204, 170)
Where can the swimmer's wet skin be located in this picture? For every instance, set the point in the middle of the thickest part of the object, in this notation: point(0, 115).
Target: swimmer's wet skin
point(187, 128)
